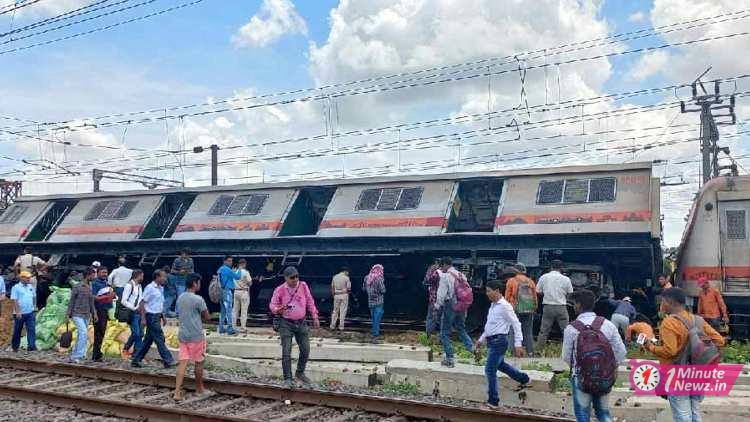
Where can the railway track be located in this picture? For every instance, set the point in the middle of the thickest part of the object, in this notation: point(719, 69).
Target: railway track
point(148, 396)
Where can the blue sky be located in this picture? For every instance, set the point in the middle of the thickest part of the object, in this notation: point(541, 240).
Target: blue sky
point(193, 55)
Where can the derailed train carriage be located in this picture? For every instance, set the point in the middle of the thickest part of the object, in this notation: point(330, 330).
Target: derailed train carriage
point(603, 221)
point(715, 245)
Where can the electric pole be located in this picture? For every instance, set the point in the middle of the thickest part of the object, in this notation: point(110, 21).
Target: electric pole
point(214, 162)
point(709, 135)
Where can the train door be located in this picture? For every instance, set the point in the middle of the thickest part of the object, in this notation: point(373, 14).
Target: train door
point(735, 246)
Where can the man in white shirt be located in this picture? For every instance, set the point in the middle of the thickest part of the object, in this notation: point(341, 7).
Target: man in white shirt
point(120, 276)
point(242, 295)
point(341, 286)
point(152, 312)
point(555, 288)
point(500, 319)
point(582, 401)
point(28, 262)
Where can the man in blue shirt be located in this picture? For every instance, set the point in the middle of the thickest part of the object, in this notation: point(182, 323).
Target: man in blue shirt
point(24, 294)
point(227, 275)
point(104, 295)
point(2, 284)
point(152, 313)
point(181, 267)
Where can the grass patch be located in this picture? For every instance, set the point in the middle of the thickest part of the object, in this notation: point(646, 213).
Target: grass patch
point(537, 366)
point(561, 382)
point(736, 352)
point(401, 388)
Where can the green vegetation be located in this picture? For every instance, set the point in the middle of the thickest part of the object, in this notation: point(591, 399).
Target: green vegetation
point(561, 381)
point(736, 352)
point(401, 388)
point(536, 366)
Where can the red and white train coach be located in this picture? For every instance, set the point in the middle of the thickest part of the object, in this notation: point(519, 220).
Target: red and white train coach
point(603, 221)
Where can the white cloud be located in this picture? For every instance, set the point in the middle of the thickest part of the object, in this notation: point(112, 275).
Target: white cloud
point(649, 64)
point(275, 19)
point(637, 17)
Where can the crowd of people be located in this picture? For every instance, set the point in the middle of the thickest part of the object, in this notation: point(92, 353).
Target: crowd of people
point(514, 302)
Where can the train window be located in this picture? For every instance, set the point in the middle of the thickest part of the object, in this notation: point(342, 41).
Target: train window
point(602, 190)
point(389, 199)
point(576, 191)
point(736, 226)
point(550, 192)
point(13, 214)
point(110, 210)
point(238, 204)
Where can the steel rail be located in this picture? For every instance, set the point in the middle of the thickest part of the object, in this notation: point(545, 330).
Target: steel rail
point(360, 402)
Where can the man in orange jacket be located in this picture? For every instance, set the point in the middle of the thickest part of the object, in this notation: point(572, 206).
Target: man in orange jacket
point(711, 305)
point(674, 339)
point(520, 292)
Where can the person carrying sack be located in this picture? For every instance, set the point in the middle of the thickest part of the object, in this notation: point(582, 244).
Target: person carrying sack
point(683, 342)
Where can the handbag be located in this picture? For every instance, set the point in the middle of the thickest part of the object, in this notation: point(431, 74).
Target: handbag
point(66, 338)
point(276, 322)
point(123, 313)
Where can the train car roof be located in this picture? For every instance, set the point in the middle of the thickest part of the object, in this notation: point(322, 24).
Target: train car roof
point(356, 181)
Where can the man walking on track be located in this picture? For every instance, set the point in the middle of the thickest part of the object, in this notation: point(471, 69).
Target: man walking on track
point(554, 287)
point(292, 301)
point(341, 286)
point(711, 305)
point(152, 314)
point(24, 295)
point(445, 302)
point(192, 311)
point(104, 295)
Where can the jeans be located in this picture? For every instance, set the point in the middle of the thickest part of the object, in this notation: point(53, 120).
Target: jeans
point(118, 292)
point(100, 328)
point(376, 313)
point(136, 333)
point(446, 327)
point(432, 319)
point(154, 334)
point(300, 332)
point(29, 320)
point(550, 315)
point(225, 316)
point(496, 347)
point(685, 408)
point(459, 323)
point(527, 326)
point(582, 403)
point(82, 338)
point(172, 289)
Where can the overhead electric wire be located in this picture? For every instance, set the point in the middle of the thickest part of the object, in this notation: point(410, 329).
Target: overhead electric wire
point(102, 28)
point(380, 88)
point(69, 24)
point(17, 6)
point(63, 16)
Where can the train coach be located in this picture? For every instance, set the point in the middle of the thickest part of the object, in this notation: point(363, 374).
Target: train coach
point(715, 245)
point(603, 221)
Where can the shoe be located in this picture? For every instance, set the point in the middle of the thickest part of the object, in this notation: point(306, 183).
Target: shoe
point(289, 383)
point(490, 406)
point(98, 359)
point(377, 340)
point(448, 363)
point(232, 333)
point(75, 361)
point(169, 365)
point(136, 364)
point(303, 379)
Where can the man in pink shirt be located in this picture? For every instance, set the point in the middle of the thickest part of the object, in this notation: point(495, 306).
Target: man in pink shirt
point(292, 301)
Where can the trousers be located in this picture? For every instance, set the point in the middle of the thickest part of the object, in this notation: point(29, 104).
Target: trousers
point(226, 324)
point(154, 334)
point(82, 338)
point(340, 306)
point(621, 322)
point(527, 327)
point(100, 328)
point(685, 408)
point(301, 334)
point(582, 403)
point(136, 333)
point(550, 315)
point(28, 320)
point(496, 347)
point(241, 306)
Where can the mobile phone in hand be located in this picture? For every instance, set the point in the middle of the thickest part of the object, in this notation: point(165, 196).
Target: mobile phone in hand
point(641, 339)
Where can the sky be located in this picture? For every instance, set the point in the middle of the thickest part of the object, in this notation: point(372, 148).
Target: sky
point(325, 89)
